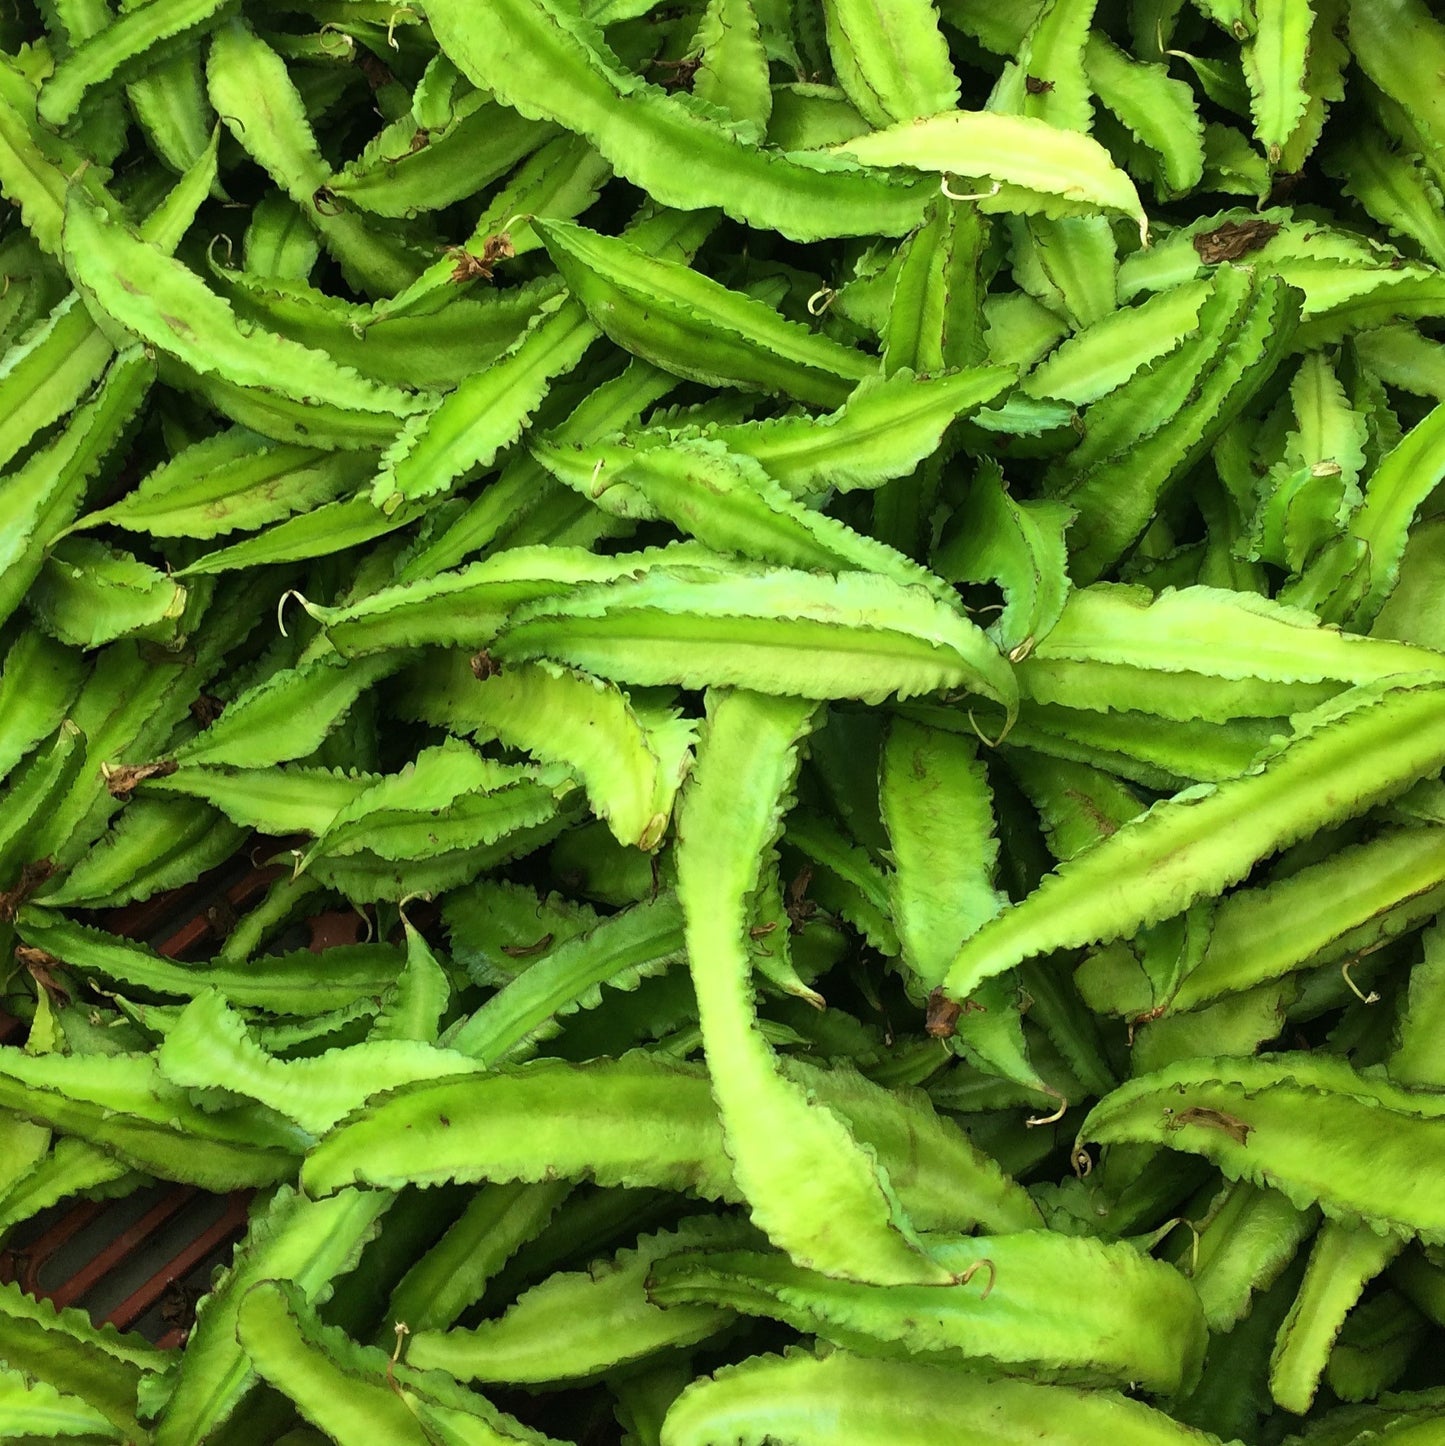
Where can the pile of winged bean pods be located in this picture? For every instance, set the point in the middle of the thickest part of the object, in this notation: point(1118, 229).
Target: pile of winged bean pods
point(854, 590)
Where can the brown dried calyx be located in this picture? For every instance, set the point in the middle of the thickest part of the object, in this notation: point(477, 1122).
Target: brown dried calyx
point(941, 1020)
point(38, 964)
point(32, 875)
point(122, 780)
point(1234, 239)
point(471, 267)
point(678, 74)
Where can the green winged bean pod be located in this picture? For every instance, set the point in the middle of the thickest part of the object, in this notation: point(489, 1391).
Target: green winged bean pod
point(1244, 1246)
point(454, 1273)
point(101, 1366)
point(133, 41)
point(728, 504)
point(40, 1411)
point(883, 430)
point(354, 1390)
point(1203, 840)
point(209, 1048)
point(805, 1399)
point(573, 1326)
point(630, 759)
point(1335, 909)
point(1271, 661)
point(486, 1129)
point(139, 291)
point(1309, 1126)
point(279, 987)
point(823, 584)
point(121, 1103)
point(1024, 1302)
point(864, 636)
point(253, 93)
point(812, 1188)
point(1343, 1260)
point(549, 64)
point(892, 63)
point(307, 1243)
point(687, 323)
point(1038, 169)
point(155, 844)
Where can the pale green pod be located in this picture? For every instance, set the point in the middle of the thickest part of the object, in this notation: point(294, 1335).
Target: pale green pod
point(1051, 52)
point(355, 1391)
point(811, 1187)
point(34, 1408)
point(209, 1048)
point(123, 50)
point(1245, 1244)
point(255, 96)
point(73, 1167)
point(1037, 168)
point(276, 799)
point(101, 1366)
point(232, 481)
point(88, 594)
point(1350, 903)
point(1021, 546)
point(281, 984)
point(865, 636)
point(687, 323)
point(448, 798)
point(891, 59)
point(546, 64)
point(1342, 1261)
point(38, 682)
point(454, 1272)
point(884, 430)
point(1205, 839)
point(1159, 111)
point(1119, 647)
point(576, 1325)
point(141, 291)
point(1308, 1125)
point(156, 844)
point(733, 71)
point(808, 1400)
point(121, 1103)
point(490, 409)
point(1275, 67)
point(621, 952)
point(286, 715)
point(1039, 1301)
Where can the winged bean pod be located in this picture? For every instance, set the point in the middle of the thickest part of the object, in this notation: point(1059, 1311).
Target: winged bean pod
point(1199, 841)
point(811, 1188)
point(829, 610)
point(1308, 1126)
point(664, 312)
point(678, 152)
point(800, 1398)
point(130, 43)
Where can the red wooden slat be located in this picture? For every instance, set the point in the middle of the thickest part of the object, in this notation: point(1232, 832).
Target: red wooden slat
point(186, 922)
point(121, 1246)
point(35, 1255)
point(231, 1223)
